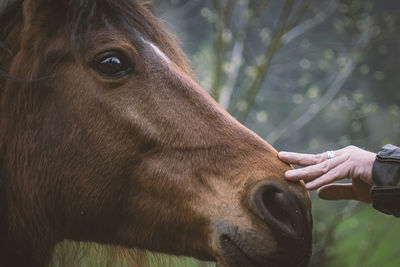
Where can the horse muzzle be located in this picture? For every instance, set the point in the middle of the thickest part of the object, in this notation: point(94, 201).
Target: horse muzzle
point(280, 232)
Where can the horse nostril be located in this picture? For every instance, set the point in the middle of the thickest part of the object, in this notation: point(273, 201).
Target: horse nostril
point(275, 203)
point(282, 211)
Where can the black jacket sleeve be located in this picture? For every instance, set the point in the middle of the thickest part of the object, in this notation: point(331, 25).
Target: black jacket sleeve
point(385, 190)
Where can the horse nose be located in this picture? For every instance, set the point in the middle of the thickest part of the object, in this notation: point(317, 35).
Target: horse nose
point(283, 216)
point(284, 213)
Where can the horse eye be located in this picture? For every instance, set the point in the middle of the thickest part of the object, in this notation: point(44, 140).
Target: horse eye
point(112, 65)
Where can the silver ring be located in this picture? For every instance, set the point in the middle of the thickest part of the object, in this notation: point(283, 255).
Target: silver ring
point(330, 154)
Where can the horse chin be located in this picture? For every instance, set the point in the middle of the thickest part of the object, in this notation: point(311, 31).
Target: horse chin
point(233, 255)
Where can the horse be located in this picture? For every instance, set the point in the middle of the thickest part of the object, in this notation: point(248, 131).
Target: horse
point(106, 137)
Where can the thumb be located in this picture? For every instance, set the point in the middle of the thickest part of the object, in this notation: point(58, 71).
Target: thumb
point(344, 192)
point(337, 192)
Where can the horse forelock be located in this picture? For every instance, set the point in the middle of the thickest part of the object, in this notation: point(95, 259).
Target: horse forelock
point(74, 23)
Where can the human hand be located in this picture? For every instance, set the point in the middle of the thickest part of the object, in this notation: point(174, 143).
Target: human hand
point(319, 172)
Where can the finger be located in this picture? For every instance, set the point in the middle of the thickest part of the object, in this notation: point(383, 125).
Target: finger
point(300, 159)
point(314, 171)
point(308, 159)
point(332, 175)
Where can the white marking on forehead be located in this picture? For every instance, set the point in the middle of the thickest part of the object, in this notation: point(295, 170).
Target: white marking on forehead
point(157, 50)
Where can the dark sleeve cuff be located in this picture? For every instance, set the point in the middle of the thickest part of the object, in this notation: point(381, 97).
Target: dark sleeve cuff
point(385, 191)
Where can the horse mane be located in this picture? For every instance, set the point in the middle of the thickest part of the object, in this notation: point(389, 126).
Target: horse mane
point(10, 12)
point(77, 19)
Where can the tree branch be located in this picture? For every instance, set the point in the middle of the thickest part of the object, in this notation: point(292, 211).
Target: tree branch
point(298, 14)
point(294, 123)
point(252, 86)
point(299, 29)
point(239, 46)
point(222, 24)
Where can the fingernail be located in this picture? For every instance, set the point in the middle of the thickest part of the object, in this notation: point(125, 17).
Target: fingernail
point(282, 153)
point(289, 173)
point(309, 186)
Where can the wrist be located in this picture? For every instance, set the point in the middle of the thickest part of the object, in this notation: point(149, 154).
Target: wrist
point(363, 166)
point(385, 190)
point(370, 160)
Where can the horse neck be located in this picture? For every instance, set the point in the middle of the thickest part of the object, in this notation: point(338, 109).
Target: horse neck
point(20, 243)
point(18, 249)
point(13, 255)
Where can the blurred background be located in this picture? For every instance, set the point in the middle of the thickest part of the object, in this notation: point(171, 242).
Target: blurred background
point(308, 76)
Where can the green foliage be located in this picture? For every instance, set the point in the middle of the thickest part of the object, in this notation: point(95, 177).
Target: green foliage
point(351, 234)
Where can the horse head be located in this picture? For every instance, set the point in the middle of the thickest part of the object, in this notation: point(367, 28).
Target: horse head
point(106, 137)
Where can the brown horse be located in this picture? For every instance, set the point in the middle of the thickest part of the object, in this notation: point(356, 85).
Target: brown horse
point(105, 137)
